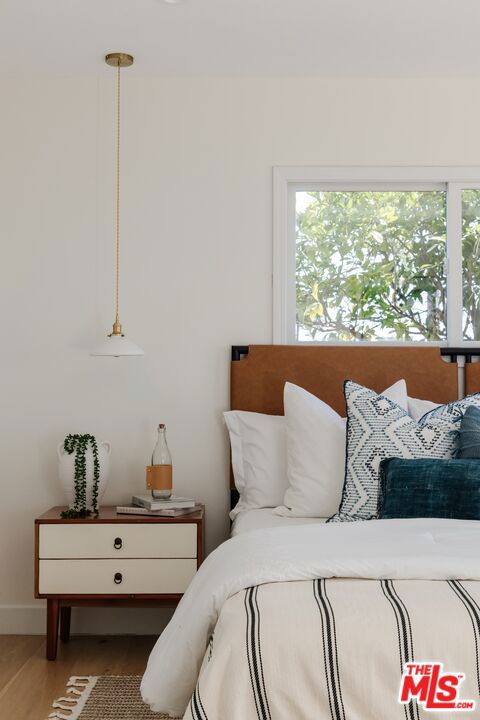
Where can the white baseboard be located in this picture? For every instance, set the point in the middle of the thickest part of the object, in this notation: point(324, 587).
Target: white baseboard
point(22, 619)
point(31, 619)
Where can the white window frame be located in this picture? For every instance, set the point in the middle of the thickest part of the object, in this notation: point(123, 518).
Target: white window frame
point(289, 180)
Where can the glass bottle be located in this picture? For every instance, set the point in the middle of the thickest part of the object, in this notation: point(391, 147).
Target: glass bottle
point(162, 466)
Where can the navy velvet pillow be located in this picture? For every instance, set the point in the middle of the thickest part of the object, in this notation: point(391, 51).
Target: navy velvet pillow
point(468, 440)
point(429, 488)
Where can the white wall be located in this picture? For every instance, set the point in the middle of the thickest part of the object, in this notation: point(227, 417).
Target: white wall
point(197, 261)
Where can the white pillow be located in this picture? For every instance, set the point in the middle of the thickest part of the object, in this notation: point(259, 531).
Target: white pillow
point(418, 408)
point(316, 437)
point(259, 458)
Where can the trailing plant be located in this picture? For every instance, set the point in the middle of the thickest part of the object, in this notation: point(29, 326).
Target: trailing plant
point(78, 444)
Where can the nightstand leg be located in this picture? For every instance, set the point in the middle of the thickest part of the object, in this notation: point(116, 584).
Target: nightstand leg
point(65, 616)
point(52, 628)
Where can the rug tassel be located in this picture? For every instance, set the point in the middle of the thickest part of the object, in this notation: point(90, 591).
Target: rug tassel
point(79, 685)
point(78, 680)
point(58, 704)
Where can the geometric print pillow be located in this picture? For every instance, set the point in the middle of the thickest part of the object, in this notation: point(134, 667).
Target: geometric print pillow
point(377, 428)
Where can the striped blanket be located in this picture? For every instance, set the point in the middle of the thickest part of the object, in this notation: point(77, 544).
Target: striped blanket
point(335, 649)
point(317, 622)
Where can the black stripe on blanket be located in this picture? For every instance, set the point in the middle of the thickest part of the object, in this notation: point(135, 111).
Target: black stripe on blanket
point(196, 706)
point(474, 613)
point(330, 655)
point(254, 654)
point(405, 641)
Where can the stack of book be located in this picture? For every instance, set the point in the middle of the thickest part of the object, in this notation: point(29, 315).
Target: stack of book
point(174, 506)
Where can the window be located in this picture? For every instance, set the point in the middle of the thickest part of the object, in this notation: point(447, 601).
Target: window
point(370, 265)
point(471, 264)
point(377, 254)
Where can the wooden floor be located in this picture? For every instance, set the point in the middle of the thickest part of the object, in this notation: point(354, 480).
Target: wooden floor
point(29, 683)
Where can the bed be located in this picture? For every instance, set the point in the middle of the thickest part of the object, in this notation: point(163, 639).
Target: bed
point(262, 518)
point(299, 618)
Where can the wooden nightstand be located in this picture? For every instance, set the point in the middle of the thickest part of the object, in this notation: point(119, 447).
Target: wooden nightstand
point(112, 560)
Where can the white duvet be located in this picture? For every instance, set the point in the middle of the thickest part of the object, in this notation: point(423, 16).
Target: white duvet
point(378, 549)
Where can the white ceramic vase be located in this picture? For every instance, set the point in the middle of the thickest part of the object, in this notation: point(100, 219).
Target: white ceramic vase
point(66, 472)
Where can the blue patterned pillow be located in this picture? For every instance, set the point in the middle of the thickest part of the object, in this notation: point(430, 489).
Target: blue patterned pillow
point(429, 489)
point(377, 428)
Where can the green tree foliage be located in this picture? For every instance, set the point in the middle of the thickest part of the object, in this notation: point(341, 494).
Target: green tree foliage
point(471, 264)
point(371, 265)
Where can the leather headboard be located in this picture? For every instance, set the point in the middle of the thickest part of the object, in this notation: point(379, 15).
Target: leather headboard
point(258, 379)
point(472, 378)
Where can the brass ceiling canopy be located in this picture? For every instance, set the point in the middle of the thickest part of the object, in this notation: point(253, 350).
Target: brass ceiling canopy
point(119, 59)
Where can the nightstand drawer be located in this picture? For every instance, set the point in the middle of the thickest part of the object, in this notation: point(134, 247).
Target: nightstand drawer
point(122, 540)
point(115, 577)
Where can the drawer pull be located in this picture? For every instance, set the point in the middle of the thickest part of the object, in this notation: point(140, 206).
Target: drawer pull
point(117, 543)
point(117, 578)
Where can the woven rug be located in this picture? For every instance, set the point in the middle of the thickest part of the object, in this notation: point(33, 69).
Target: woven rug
point(108, 697)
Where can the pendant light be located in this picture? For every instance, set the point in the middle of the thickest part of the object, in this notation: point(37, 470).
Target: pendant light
point(116, 344)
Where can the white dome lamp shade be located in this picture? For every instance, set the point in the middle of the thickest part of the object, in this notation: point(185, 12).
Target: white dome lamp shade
point(116, 344)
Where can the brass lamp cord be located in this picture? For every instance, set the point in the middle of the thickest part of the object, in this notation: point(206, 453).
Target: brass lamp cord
point(117, 60)
point(117, 218)
point(117, 327)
